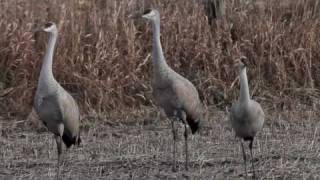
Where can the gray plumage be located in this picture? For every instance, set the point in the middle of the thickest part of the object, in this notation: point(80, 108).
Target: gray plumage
point(172, 92)
point(55, 106)
point(246, 115)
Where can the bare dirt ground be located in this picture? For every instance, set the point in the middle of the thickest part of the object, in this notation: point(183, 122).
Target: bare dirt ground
point(287, 148)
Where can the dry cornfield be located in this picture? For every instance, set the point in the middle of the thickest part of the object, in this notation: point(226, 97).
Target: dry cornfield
point(103, 58)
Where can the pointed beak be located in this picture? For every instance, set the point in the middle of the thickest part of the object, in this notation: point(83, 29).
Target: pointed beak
point(36, 29)
point(237, 63)
point(134, 15)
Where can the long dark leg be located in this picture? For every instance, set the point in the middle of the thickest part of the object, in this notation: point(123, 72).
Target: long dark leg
point(59, 147)
point(244, 157)
point(251, 152)
point(174, 135)
point(186, 145)
point(183, 117)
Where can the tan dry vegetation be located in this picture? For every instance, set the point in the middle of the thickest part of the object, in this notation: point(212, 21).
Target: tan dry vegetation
point(103, 57)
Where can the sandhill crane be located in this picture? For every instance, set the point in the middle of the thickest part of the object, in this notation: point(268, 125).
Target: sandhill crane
point(55, 106)
point(172, 92)
point(246, 115)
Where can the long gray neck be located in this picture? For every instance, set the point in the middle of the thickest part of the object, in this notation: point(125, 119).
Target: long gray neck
point(244, 87)
point(159, 62)
point(46, 79)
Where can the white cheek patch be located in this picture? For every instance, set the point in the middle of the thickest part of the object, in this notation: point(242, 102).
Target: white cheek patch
point(152, 13)
point(49, 29)
point(149, 15)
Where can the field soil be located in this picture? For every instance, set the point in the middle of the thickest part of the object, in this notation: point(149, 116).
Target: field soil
point(287, 148)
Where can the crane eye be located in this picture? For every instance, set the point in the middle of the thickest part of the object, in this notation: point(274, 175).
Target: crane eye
point(147, 11)
point(244, 61)
point(48, 25)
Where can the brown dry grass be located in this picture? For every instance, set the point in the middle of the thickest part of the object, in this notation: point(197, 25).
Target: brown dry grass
point(103, 57)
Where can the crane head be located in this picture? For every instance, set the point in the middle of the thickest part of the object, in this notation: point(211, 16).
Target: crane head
point(241, 62)
point(47, 27)
point(50, 27)
point(151, 14)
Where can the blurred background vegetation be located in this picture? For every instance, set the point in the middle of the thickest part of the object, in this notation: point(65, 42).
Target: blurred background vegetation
point(103, 57)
